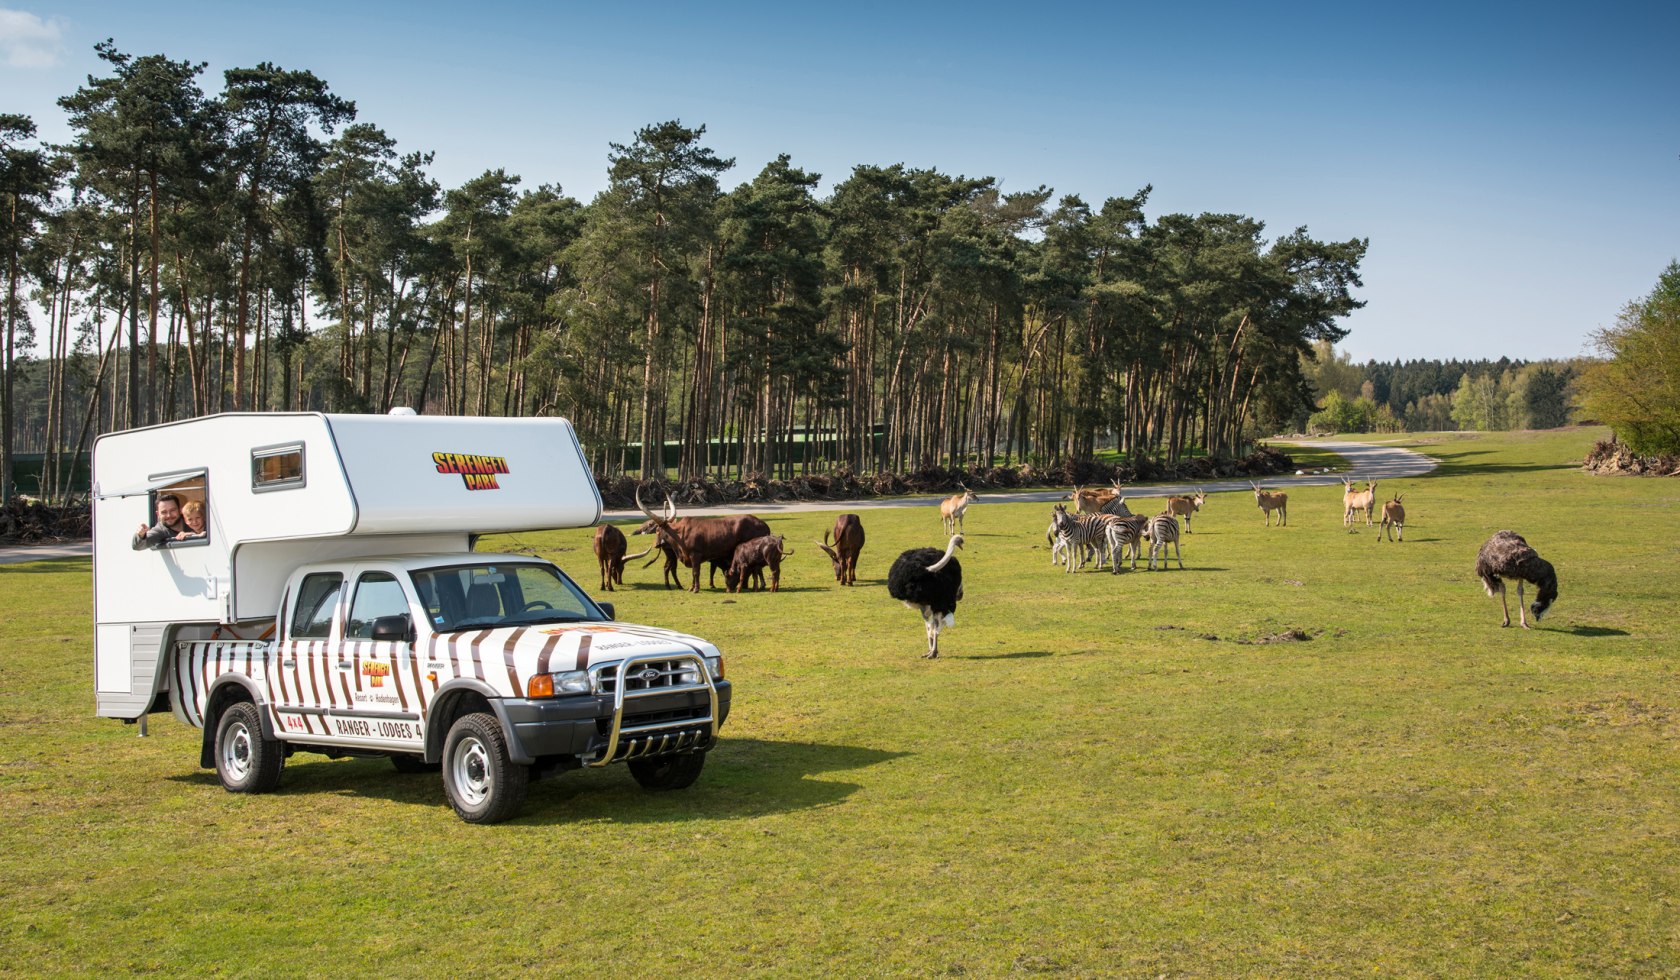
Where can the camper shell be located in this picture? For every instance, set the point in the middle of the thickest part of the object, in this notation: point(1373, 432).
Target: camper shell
point(334, 604)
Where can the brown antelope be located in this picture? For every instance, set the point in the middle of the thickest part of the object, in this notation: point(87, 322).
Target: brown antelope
point(1393, 519)
point(951, 509)
point(1270, 501)
point(1095, 501)
point(1360, 500)
point(1186, 505)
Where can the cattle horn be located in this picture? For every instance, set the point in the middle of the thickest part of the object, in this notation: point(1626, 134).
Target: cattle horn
point(649, 513)
point(639, 554)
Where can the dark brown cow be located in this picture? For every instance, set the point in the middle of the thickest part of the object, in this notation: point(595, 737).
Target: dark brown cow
point(609, 551)
point(751, 558)
point(702, 540)
point(666, 550)
point(848, 542)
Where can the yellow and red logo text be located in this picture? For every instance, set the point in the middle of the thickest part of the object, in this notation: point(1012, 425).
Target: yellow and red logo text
point(478, 472)
point(376, 673)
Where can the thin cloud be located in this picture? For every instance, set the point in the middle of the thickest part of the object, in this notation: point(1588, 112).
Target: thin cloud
point(27, 41)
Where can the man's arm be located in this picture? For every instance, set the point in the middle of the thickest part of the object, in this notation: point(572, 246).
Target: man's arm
point(152, 538)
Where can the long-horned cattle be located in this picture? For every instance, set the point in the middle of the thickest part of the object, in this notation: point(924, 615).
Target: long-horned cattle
point(1393, 519)
point(1506, 556)
point(930, 584)
point(609, 552)
point(848, 544)
point(702, 540)
point(1270, 500)
point(746, 571)
point(951, 509)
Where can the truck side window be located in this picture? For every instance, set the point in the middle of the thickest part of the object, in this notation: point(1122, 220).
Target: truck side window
point(317, 601)
point(377, 594)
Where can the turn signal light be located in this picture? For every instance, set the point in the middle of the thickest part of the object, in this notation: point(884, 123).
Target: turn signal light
point(540, 686)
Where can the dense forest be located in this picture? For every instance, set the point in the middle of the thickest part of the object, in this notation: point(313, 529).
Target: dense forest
point(261, 248)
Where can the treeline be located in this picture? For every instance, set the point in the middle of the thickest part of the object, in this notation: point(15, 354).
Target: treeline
point(261, 249)
point(1435, 395)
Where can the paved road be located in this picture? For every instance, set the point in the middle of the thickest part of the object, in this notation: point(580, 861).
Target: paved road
point(1364, 461)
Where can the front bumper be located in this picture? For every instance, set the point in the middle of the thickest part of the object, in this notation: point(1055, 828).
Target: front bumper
point(581, 726)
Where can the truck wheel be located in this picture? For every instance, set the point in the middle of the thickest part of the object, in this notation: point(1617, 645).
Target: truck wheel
point(668, 771)
point(413, 765)
point(245, 760)
point(482, 783)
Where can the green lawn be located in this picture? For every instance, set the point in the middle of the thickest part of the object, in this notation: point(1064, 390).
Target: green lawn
point(1103, 775)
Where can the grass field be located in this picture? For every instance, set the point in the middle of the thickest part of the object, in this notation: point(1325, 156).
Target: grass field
point(1102, 775)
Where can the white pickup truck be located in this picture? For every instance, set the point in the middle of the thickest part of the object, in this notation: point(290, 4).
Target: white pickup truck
point(334, 604)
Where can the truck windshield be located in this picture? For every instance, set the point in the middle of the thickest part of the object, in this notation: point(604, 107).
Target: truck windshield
point(489, 595)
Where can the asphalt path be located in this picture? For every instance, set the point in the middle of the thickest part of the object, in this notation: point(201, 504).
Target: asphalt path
point(1364, 462)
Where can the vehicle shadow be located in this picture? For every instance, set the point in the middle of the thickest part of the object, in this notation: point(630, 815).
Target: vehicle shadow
point(743, 778)
point(1021, 655)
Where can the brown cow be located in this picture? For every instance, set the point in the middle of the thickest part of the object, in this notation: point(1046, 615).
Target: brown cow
point(609, 551)
point(666, 550)
point(848, 542)
point(751, 557)
point(702, 540)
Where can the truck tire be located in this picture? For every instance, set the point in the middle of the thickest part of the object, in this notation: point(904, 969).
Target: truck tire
point(413, 765)
point(668, 771)
point(482, 783)
point(246, 762)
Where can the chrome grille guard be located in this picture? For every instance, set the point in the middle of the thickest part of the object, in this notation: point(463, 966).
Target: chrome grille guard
point(662, 736)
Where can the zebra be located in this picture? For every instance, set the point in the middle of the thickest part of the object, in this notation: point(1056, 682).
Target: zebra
point(1116, 507)
point(1123, 534)
point(1163, 528)
point(1082, 534)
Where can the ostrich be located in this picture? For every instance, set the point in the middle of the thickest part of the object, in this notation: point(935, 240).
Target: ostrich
point(932, 584)
point(1507, 556)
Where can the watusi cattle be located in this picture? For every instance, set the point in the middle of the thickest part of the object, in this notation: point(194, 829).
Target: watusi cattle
point(848, 543)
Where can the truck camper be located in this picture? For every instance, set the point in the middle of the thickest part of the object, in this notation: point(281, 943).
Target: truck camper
point(334, 603)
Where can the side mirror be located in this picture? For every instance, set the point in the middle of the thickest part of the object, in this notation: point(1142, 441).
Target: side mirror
point(395, 629)
point(607, 608)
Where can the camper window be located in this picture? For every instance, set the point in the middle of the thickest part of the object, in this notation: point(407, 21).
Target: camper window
point(317, 601)
point(378, 594)
point(184, 500)
point(277, 468)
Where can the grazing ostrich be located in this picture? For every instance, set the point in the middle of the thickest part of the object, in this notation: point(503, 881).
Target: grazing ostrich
point(931, 584)
point(1507, 556)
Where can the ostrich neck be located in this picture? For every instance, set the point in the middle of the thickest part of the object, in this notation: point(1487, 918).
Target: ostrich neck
point(950, 550)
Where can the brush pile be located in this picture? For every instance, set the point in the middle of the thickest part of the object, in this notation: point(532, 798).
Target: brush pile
point(1612, 457)
point(25, 520)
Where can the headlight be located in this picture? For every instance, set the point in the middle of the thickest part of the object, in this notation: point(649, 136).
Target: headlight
point(552, 685)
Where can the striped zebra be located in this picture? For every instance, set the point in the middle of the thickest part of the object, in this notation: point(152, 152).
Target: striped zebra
point(1123, 534)
point(1116, 507)
point(1080, 535)
point(1163, 529)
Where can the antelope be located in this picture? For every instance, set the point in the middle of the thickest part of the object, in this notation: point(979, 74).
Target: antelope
point(1353, 501)
point(1272, 500)
point(951, 509)
point(1094, 501)
point(1186, 505)
point(1393, 519)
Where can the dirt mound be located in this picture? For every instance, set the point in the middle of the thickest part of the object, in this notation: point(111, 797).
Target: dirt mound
point(1612, 457)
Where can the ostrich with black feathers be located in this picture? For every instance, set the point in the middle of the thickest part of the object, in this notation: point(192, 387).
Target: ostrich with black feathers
point(930, 583)
point(1506, 556)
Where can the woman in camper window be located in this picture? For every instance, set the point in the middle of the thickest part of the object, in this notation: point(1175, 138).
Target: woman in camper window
point(192, 514)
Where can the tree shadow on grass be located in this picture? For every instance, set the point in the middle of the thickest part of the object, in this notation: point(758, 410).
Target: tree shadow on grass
point(743, 778)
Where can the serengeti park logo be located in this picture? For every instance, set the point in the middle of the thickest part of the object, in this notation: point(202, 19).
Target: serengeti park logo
point(376, 673)
point(478, 472)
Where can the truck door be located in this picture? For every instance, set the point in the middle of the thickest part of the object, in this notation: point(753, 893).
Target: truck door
point(377, 669)
point(305, 673)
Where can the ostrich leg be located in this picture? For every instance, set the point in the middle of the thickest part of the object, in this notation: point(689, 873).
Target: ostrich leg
point(1503, 605)
point(1522, 610)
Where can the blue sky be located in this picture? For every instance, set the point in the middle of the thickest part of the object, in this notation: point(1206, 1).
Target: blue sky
point(1516, 167)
